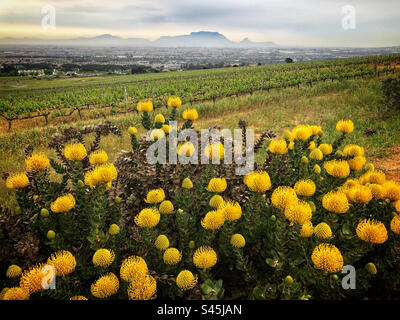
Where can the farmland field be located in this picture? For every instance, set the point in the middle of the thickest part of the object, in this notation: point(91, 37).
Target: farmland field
point(213, 225)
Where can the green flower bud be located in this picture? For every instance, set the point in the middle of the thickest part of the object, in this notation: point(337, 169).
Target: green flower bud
point(44, 213)
point(371, 268)
point(288, 280)
point(114, 229)
point(81, 184)
point(51, 235)
point(117, 200)
point(191, 244)
point(304, 160)
point(335, 277)
point(312, 206)
point(180, 211)
point(273, 218)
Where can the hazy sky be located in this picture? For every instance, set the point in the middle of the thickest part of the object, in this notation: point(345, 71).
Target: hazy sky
point(305, 22)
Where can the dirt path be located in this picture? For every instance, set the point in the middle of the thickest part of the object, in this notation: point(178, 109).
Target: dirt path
point(390, 164)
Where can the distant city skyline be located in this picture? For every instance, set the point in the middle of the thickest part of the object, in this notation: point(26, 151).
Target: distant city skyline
point(284, 22)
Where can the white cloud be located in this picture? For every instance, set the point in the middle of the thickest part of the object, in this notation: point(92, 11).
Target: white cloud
point(282, 21)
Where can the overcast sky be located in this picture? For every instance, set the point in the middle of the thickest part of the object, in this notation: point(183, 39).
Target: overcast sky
point(305, 22)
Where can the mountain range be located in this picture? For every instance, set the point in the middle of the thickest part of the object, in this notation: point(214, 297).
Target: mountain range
point(194, 39)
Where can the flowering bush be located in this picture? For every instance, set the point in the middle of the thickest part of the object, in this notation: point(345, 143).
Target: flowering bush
point(133, 230)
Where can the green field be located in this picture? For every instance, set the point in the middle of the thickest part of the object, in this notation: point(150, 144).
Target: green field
point(323, 104)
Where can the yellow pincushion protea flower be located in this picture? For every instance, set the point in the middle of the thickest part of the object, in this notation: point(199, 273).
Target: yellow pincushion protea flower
point(378, 191)
point(205, 257)
point(155, 196)
point(291, 145)
point(174, 102)
point(63, 204)
point(397, 205)
point(166, 207)
point(32, 278)
point(132, 268)
point(145, 106)
point(302, 132)
point(335, 201)
point(376, 176)
point(337, 168)
point(157, 134)
point(172, 256)
point(103, 257)
point(75, 151)
point(159, 118)
point(231, 209)
point(17, 181)
point(357, 163)
point(327, 257)
point(369, 166)
point(345, 126)
point(395, 224)
point(278, 146)
point(353, 150)
point(311, 146)
point(166, 128)
point(392, 190)
point(316, 154)
point(282, 196)
point(103, 173)
point(190, 114)
point(238, 241)
point(258, 181)
point(213, 220)
point(13, 271)
point(78, 298)
point(98, 157)
point(3, 292)
point(359, 193)
point(132, 130)
point(317, 169)
point(217, 185)
point(372, 231)
point(316, 130)
point(186, 149)
point(37, 161)
point(142, 288)
point(325, 148)
point(161, 242)
point(186, 280)
point(214, 151)
point(305, 187)
point(148, 218)
point(215, 201)
point(323, 231)
point(16, 293)
point(63, 261)
point(298, 212)
point(307, 230)
point(105, 286)
point(187, 183)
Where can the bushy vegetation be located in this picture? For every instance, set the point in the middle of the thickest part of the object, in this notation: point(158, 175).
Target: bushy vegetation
point(130, 229)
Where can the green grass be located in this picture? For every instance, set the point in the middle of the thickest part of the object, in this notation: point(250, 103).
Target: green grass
point(323, 104)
